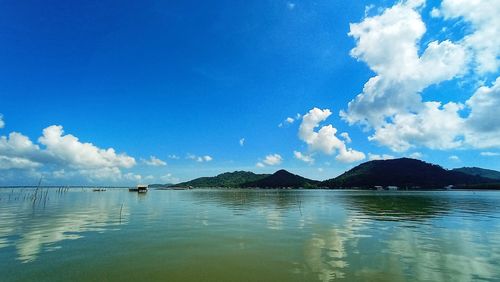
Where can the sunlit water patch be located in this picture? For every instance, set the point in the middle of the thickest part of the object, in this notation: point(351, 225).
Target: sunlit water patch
point(249, 235)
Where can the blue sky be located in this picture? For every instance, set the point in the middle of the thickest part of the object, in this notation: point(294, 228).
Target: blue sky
point(185, 81)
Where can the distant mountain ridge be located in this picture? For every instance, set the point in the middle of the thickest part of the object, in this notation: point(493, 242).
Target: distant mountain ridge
point(228, 179)
point(283, 179)
point(404, 173)
point(482, 172)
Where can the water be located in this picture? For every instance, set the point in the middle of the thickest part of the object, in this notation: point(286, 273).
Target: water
point(249, 235)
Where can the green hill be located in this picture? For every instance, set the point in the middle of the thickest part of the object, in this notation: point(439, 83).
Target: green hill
point(282, 179)
point(403, 173)
point(228, 179)
point(159, 185)
point(477, 171)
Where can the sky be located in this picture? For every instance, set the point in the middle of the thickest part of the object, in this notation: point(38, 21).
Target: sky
point(127, 92)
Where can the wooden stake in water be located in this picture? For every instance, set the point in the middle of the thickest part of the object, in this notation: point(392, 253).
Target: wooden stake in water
point(121, 208)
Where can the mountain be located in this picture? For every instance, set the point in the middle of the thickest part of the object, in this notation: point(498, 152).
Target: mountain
point(159, 185)
point(228, 179)
point(488, 173)
point(402, 172)
point(282, 179)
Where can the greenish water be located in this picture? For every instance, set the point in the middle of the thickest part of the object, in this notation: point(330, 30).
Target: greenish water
point(249, 235)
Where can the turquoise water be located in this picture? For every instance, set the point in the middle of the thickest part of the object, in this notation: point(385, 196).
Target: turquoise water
point(249, 235)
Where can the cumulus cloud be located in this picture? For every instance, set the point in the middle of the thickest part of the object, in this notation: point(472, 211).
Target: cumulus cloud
point(484, 40)
point(391, 103)
point(303, 157)
point(199, 159)
point(154, 161)
point(325, 140)
point(372, 157)
point(270, 160)
point(205, 158)
point(388, 43)
point(173, 157)
point(2, 122)
point(18, 152)
point(454, 158)
point(346, 137)
point(483, 124)
point(132, 177)
point(489, 154)
point(273, 159)
point(287, 121)
point(416, 155)
point(169, 178)
point(16, 163)
point(408, 129)
point(64, 154)
point(68, 149)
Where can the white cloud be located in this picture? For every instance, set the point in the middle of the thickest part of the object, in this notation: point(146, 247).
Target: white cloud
point(59, 174)
point(273, 159)
point(18, 152)
point(62, 153)
point(324, 140)
point(372, 157)
point(290, 5)
point(133, 177)
point(68, 149)
point(173, 157)
point(346, 137)
point(154, 161)
point(207, 158)
point(490, 154)
point(169, 178)
point(484, 40)
point(483, 123)
point(435, 127)
point(287, 121)
point(2, 122)
point(199, 159)
point(18, 145)
point(435, 13)
point(16, 163)
point(454, 158)
point(391, 103)
point(388, 43)
point(416, 155)
point(303, 157)
point(242, 142)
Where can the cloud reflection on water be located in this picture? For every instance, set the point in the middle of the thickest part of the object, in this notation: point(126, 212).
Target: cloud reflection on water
point(43, 228)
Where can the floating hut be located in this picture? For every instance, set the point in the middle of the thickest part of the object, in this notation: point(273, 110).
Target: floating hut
point(141, 188)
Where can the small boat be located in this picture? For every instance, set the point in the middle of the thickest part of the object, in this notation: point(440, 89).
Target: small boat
point(99, 189)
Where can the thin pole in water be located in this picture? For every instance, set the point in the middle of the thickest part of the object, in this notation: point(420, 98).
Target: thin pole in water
point(121, 213)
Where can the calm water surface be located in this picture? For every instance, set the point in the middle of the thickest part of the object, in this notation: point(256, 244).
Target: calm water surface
point(249, 235)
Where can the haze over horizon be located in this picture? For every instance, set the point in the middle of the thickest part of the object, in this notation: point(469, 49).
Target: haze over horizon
point(107, 93)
